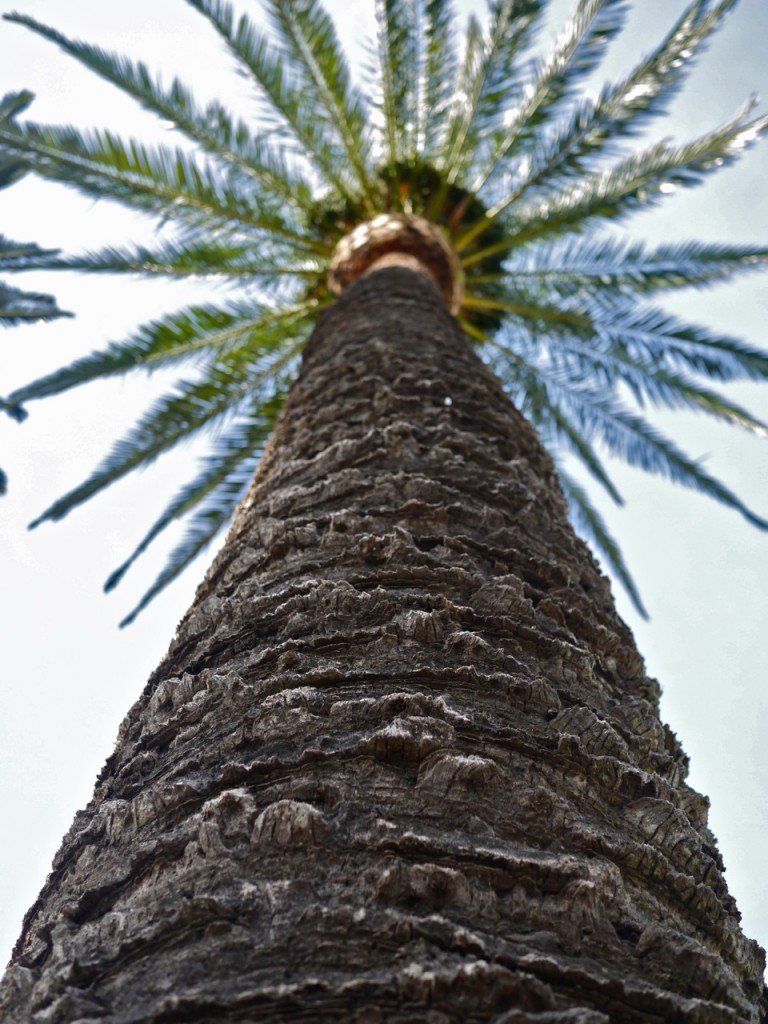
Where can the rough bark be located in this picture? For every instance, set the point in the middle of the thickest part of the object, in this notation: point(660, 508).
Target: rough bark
point(401, 762)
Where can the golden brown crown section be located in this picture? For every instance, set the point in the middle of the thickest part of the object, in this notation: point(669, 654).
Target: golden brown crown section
point(394, 239)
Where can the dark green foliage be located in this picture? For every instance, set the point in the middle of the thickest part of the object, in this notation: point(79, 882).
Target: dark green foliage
point(487, 140)
point(17, 306)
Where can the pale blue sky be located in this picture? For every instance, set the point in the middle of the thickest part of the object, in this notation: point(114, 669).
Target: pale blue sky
point(67, 674)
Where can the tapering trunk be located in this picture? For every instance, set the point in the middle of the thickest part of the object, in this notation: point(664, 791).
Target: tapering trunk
point(402, 762)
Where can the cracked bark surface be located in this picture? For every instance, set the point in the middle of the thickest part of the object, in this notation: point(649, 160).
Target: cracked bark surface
point(401, 762)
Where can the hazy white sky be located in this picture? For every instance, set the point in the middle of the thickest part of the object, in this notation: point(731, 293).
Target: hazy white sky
point(67, 675)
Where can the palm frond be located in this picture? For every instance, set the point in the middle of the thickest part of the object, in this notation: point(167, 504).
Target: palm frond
point(489, 75)
point(227, 261)
point(399, 79)
point(632, 439)
point(576, 53)
point(15, 103)
point(614, 361)
point(568, 266)
point(559, 431)
point(633, 183)
point(214, 508)
point(439, 75)
point(590, 525)
point(293, 106)
point(212, 127)
point(157, 180)
point(316, 60)
point(623, 109)
point(232, 460)
point(641, 350)
point(11, 105)
point(190, 407)
point(23, 255)
point(537, 386)
point(666, 343)
point(207, 334)
point(18, 307)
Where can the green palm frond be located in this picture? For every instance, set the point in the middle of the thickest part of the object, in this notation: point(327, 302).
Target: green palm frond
point(154, 179)
point(217, 489)
point(632, 184)
point(291, 107)
point(199, 335)
point(588, 522)
point(212, 127)
point(191, 407)
point(17, 306)
point(489, 76)
point(312, 53)
point(399, 84)
point(230, 262)
point(499, 148)
point(211, 509)
point(576, 53)
point(439, 71)
point(625, 435)
point(620, 268)
point(622, 109)
point(11, 105)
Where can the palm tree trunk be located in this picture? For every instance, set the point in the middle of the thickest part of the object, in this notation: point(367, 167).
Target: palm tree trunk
point(401, 762)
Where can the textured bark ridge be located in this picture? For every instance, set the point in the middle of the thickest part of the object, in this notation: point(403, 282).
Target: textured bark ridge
point(402, 762)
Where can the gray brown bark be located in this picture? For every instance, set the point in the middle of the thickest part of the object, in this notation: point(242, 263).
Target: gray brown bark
point(402, 762)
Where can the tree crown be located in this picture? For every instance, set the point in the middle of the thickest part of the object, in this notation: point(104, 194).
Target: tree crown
point(516, 169)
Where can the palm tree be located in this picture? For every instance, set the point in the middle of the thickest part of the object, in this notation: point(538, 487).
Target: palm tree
point(559, 318)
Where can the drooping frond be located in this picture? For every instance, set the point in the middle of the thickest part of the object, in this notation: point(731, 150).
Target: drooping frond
point(212, 506)
point(225, 473)
point(588, 522)
point(200, 335)
point(599, 415)
point(192, 406)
